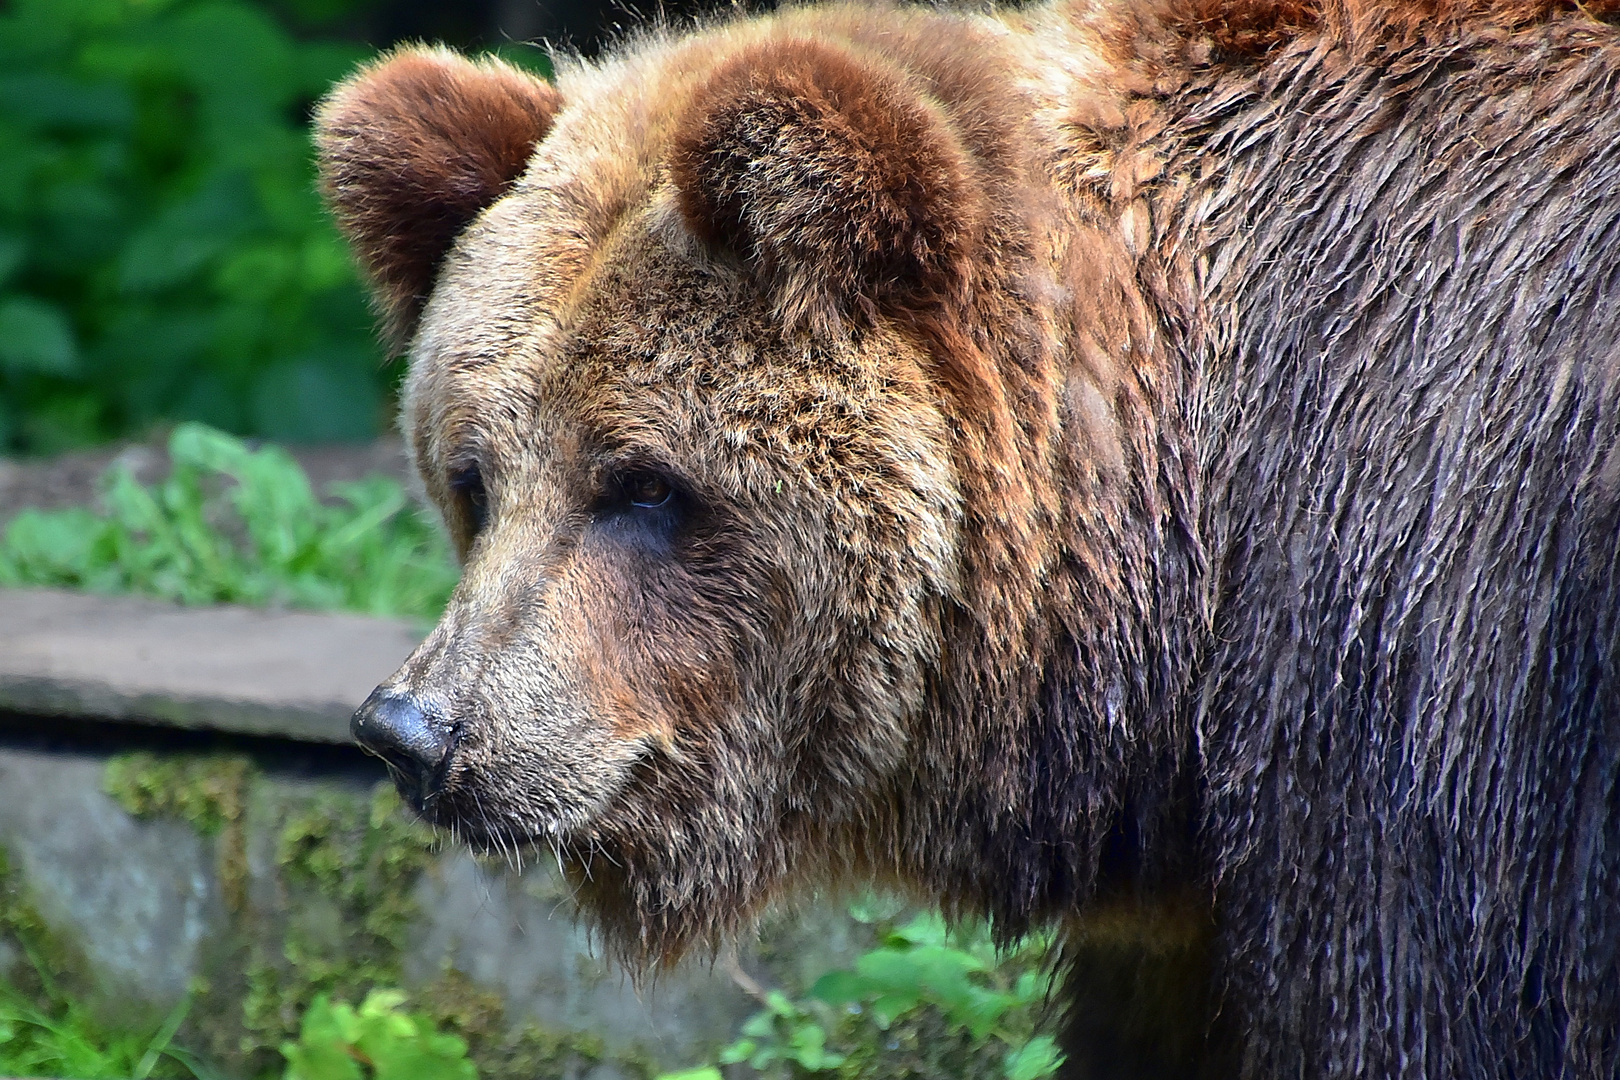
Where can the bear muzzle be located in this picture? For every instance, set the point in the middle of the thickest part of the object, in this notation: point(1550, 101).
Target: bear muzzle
point(415, 745)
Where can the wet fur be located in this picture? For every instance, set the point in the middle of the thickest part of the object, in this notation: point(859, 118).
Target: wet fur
point(1199, 501)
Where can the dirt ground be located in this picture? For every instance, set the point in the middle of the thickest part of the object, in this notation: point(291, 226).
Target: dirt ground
point(70, 480)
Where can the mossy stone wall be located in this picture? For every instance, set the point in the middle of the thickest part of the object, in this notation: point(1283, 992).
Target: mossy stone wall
point(256, 877)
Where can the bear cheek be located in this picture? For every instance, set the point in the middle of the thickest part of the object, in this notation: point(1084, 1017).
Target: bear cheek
point(652, 666)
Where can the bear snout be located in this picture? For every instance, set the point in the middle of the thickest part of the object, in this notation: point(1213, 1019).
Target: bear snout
point(414, 744)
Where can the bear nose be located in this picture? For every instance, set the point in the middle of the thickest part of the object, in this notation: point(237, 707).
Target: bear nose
point(397, 729)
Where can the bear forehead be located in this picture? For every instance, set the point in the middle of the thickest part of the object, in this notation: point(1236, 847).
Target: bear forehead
point(583, 297)
point(535, 344)
point(600, 182)
point(517, 313)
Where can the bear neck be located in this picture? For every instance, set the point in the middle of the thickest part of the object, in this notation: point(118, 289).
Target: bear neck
point(1166, 254)
point(1052, 751)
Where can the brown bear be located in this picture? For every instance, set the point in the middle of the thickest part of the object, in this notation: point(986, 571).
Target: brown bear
point(1142, 463)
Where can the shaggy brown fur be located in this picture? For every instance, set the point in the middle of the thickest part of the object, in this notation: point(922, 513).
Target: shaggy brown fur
point(412, 151)
point(781, 126)
point(1150, 464)
point(1246, 29)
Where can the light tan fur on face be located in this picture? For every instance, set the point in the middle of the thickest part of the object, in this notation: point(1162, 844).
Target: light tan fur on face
point(794, 438)
point(871, 478)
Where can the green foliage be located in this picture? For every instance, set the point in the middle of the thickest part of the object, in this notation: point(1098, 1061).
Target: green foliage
point(232, 524)
point(45, 1028)
point(927, 1001)
point(784, 1033)
point(379, 1041)
point(163, 252)
point(349, 867)
point(66, 1041)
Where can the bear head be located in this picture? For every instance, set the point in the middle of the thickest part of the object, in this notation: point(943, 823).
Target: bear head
point(727, 375)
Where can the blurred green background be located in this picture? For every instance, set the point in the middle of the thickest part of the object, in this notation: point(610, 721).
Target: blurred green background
point(163, 253)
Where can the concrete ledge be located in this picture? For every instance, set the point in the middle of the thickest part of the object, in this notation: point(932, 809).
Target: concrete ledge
point(292, 674)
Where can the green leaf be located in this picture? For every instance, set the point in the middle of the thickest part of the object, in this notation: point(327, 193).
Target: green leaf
point(329, 1022)
point(419, 1056)
point(12, 252)
point(841, 987)
point(932, 966)
point(39, 99)
point(308, 1060)
point(240, 61)
point(163, 1036)
point(188, 234)
point(1037, 1058)
point(1033, 986)
point(706, 1072)
point(779, 1003)
point(874, 906)
point(809, 1048)
point(329, 398)
point(335, 1039)
point(924, 928)
point(741, 1050)
point(36, 337)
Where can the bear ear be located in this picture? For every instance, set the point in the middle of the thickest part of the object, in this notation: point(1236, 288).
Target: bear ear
point(411, 149)
point(839, 183)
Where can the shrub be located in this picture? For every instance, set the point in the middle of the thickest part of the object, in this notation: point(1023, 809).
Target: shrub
point(163, 253)
point(927, 1002)
point(233, 524)
point(377, 1041)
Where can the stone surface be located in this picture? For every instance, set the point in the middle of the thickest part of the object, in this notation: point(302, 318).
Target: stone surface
point(139, 897)
point(518, 933)
point(290, 674)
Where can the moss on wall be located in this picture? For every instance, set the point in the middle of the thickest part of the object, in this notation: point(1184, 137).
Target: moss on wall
point(47, 967)
point(507, 1051)
point(319, 883)
point(208, 791)
point(342, 902)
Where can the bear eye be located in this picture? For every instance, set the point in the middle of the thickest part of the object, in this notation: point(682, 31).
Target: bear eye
point(647, 489)
point(468, 484)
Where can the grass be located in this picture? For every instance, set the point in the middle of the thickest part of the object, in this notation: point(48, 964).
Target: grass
point(231, 524)
point(64, 1040)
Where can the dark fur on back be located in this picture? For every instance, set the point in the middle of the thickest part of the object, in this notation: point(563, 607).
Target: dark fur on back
point(1409, 728)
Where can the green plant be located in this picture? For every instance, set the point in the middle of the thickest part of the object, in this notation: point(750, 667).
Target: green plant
point(927, 1001)
point(379, 1041)
point(163, 252)
point(45, 1028)
point(66, 1041)
point(233, 524)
